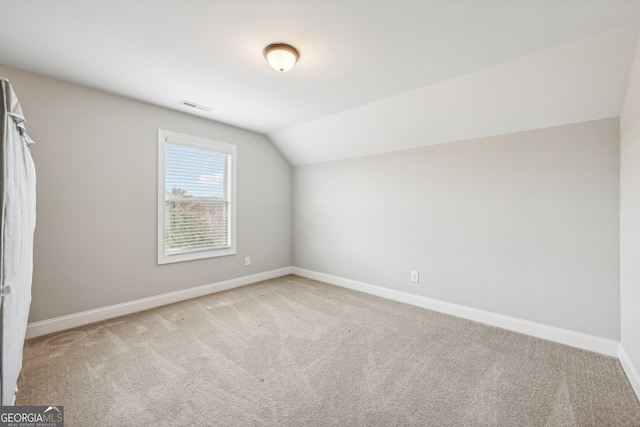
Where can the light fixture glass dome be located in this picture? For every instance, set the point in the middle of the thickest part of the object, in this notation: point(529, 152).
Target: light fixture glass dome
point(282, 57)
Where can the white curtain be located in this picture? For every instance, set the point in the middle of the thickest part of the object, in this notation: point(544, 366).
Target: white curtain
point(18, 208)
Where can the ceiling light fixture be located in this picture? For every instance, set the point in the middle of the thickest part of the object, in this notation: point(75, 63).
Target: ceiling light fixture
point(282, 57)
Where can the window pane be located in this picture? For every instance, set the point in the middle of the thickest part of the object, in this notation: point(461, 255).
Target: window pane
point(196, 200)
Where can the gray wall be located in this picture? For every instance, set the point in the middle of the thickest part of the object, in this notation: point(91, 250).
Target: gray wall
point(96, 234)
point(523, 224)
point(630, 218)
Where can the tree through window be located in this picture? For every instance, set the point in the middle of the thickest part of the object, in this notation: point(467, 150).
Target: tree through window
point(196, 219)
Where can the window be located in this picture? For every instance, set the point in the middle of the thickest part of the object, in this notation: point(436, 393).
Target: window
point(196, 198)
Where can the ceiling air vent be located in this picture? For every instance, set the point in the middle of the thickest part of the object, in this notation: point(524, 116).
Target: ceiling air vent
point(197, 106)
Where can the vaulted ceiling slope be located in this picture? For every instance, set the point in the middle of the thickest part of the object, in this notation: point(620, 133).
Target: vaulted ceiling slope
point(374, 76)
point(576, 82)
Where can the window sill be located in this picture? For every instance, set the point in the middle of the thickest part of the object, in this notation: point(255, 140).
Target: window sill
point(164, 259)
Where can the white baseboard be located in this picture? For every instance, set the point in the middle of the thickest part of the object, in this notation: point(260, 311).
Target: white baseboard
point(538, 330)
point(85, 317)
point(630, 370)
point(563, 336)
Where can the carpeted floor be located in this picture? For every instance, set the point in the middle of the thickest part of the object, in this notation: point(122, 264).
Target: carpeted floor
point(297, 352)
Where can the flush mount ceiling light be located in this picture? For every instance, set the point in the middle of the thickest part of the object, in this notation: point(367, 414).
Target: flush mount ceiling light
point(282, 57)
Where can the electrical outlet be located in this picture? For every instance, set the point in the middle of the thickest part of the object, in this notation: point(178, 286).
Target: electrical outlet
point(415, 276)
point(247, 261)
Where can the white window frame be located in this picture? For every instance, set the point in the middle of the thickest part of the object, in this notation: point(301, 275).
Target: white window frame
point(177, 138)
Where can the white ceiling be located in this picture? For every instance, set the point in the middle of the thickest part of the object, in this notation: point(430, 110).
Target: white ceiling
point(373, 76)
point(575, 82)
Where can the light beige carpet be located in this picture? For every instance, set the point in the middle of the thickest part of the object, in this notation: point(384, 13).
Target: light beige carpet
point(296, 352)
